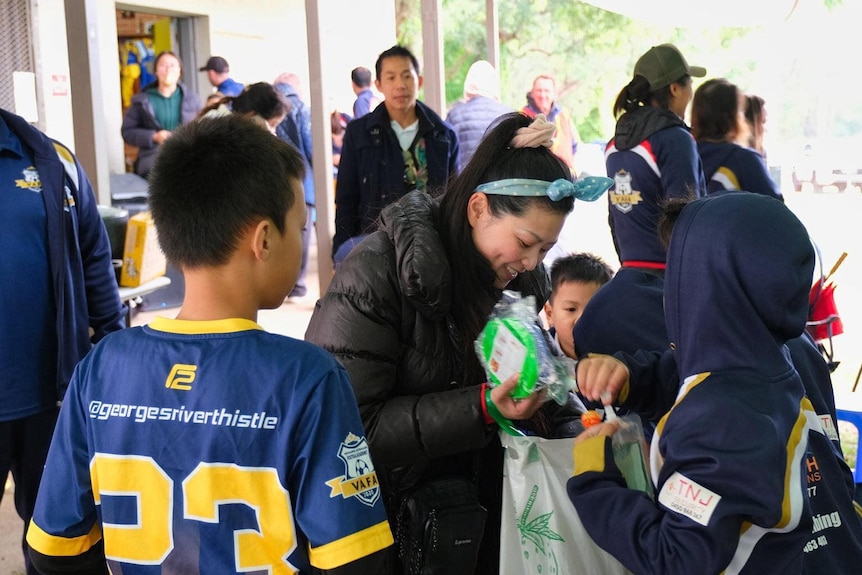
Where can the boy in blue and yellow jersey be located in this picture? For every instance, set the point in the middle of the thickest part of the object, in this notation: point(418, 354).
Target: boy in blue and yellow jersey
point(204, 444)
point(727, 458)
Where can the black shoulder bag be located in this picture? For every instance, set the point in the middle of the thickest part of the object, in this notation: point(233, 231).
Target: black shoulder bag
point(439, 528)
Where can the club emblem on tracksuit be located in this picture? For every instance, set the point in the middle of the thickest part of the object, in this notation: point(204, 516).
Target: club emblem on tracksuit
point(31, 180)
point(359, 479)
point(622, 196)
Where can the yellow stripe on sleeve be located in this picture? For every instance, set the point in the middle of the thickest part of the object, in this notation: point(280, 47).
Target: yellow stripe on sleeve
point(352, 547)
point(57, 546)
point(589, 455)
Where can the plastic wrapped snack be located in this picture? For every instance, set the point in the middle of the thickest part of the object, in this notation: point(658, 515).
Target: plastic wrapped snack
point(513, 341)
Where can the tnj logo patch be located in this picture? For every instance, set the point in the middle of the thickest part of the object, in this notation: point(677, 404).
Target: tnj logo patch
point(622, 196)
point(359, 479)
point(688, 498)
point(31, 180)
point(181, 377)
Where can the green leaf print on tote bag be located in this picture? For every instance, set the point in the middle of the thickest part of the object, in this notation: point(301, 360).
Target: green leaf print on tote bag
point(541, 533)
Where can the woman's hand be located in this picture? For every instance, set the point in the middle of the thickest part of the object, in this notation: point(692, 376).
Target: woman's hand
point(160, 136)
point(512, 408)
point(601, 377)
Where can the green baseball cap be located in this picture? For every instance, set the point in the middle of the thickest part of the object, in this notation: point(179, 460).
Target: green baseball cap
point(663, 65)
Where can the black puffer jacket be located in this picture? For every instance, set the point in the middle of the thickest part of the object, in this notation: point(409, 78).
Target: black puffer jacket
point(386, 317)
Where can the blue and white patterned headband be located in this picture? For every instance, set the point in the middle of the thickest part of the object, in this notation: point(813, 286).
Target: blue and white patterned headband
point(588, 189)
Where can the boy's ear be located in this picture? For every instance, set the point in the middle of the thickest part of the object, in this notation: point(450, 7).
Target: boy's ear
point(261, 235)
point(548, 309)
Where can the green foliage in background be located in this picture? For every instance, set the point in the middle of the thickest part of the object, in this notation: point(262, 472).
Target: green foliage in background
point(801, 67)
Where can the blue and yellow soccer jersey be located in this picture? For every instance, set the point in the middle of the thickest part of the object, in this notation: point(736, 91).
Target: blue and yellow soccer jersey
point(210, 447)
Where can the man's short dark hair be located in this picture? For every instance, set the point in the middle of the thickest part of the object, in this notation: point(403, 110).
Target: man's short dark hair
point(214, 177)
point(395, 52)
point(361, 76)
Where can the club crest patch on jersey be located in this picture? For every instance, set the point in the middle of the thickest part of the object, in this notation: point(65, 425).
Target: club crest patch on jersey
point(359, 479)
point(31, 180)
point(622, 196)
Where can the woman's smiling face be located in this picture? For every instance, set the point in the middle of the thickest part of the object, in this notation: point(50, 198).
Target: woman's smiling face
point(512, 244)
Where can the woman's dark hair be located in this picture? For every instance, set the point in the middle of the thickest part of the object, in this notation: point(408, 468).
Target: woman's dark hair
point(715, 110)
point(670, 211)
point(260, 98)
point(754, 116)
point(474, 294)
point(637, 93)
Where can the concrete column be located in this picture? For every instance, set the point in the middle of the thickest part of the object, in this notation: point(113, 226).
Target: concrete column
point(433, 68)
point(91, 29)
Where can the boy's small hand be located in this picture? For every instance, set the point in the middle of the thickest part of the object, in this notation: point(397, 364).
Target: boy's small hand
point(605, 429)
point(512, 408)
point(602, 374)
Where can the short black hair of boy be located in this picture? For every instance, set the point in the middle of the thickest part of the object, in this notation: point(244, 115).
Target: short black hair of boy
point(582, 267)
point(395, 52)
point(214, 177)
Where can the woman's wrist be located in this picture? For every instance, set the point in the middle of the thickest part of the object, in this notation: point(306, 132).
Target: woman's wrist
point(491, 409)
point(484, 405)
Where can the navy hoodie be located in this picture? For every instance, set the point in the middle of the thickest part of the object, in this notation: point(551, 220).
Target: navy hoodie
point(729, 166)
point(727, 459)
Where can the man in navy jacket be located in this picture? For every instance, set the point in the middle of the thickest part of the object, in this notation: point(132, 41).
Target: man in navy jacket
point(58, 287)
point(400, 146)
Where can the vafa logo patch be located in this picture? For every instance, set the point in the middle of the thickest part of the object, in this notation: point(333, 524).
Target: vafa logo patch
point(359, 479)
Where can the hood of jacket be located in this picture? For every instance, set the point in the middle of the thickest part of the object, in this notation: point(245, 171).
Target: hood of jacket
point(714, 155)
point(420, 256)
point(636, 126)
point(739, 269)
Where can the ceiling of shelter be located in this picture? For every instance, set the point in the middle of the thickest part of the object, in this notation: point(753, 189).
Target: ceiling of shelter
point(699, 12)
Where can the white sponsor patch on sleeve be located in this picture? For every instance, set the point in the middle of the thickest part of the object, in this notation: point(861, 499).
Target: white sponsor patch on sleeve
point(689, 498)
point(828, 426)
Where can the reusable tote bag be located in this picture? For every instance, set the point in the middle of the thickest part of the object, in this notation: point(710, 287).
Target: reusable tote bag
point(541, 532)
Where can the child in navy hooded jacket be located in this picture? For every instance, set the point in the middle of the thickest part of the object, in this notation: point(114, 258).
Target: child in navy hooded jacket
point(726, 460)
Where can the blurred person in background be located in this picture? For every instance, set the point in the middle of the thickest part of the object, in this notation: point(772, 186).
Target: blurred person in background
point(360, 79)
point(480, 107)
point(755, 115)
point(158, 109)
point(541, 99)
point(295, 129)
point(218, 73)
point(718, 124)
point(259, 101)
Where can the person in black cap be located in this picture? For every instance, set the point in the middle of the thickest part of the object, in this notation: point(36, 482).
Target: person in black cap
point(218, 73)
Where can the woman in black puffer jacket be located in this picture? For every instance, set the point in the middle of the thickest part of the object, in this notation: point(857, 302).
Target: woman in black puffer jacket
point(405, 307)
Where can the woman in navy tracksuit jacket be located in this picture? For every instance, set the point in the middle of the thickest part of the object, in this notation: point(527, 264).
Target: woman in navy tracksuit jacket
point(652, 156)
point(716, 122)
